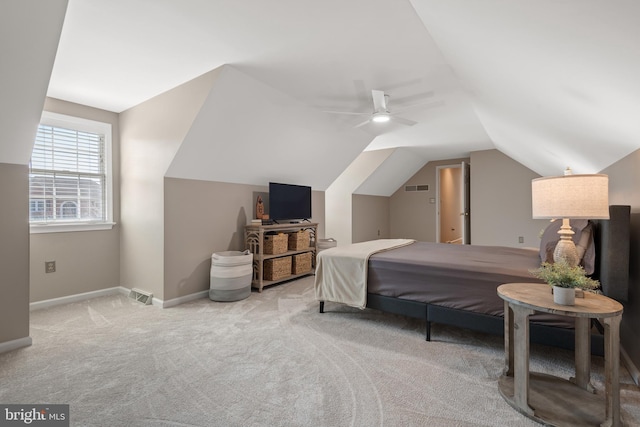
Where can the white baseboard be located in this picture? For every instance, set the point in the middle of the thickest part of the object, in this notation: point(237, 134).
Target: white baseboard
point(180, 300)
point(15, 344)
point(77, 297)
point(112, 291)
point(631, 367)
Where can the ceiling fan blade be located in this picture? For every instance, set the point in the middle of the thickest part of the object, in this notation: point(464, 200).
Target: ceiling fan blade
point(403, 121)
point(347, 112)
point(420, 106)
point(362, 124)
point(379, 103)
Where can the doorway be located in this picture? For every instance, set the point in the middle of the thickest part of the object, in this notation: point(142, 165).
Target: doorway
point(453, 214)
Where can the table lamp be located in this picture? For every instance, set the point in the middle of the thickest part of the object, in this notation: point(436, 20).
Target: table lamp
point(570, 197)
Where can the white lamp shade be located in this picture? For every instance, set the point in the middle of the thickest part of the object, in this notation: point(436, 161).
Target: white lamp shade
point(571, 196)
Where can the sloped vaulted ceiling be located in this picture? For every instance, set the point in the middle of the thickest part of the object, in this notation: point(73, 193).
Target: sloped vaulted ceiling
point(29, 34)
point(555, 83)
point(549, 83)
point(247, 132)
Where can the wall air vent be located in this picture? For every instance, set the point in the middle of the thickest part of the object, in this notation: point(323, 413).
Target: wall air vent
point(424, 187)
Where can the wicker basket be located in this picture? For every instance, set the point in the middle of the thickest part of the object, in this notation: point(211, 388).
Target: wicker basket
point(277, 268)
point(301, 263)
point(299, 240)
point(275, 244)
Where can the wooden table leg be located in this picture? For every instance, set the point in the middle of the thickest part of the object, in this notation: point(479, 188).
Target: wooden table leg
point(508, 340)
point(612, 371)
point(583, 354)
point(521, 358)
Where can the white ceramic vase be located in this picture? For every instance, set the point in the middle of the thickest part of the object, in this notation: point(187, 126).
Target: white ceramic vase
point(564, 296)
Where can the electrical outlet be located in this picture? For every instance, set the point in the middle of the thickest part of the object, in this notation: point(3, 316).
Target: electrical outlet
point(521, 239)
point(50, 266)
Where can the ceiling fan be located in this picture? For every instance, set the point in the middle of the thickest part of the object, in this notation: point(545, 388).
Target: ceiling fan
point(381, 112)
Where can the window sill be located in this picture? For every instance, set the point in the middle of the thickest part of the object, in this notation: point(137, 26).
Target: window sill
point(66, 228)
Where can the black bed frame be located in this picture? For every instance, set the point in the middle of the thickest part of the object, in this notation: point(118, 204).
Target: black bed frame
point(612, 270)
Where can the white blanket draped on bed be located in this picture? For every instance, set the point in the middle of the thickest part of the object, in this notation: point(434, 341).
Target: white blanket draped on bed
point(341, 272)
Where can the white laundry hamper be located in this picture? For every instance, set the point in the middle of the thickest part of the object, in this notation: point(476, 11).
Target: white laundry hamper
point(231, 274)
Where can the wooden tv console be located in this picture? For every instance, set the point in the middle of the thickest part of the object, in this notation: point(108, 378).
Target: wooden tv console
point(254, 242)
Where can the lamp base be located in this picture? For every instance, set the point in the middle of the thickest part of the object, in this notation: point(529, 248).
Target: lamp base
point(565, 249)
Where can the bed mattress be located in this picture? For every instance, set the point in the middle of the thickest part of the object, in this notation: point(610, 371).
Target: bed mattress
point(463, 277)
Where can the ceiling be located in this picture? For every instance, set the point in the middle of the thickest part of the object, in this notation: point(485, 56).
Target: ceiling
point(549, 83)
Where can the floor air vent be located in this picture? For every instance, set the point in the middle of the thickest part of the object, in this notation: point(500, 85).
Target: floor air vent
point(141, 296)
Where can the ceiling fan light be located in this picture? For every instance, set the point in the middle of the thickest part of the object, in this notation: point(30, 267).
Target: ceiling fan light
point(380, 117)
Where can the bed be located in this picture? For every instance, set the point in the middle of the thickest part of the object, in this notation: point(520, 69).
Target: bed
point(456, 284)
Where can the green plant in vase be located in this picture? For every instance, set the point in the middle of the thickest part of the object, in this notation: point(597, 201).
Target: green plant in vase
point(564, 279)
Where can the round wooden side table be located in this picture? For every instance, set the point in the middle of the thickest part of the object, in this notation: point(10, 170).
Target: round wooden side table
point(546, 398)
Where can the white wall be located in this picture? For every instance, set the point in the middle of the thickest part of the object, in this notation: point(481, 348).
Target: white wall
point(338, 197)
point(400, 166)
point(151, 134)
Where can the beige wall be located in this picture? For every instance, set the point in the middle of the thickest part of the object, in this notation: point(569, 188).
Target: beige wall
point(370, 218)
point(87, 260)
point(150, 135)
point(31, 31)
point(14, 252)
point(624, 189)
point(203, 217)
point(411, 213)
point(501, 201)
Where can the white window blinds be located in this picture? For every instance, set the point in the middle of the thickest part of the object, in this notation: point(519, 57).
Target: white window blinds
point(67, 176)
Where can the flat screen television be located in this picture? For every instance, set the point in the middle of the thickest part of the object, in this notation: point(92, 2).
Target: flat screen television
point(289, 202)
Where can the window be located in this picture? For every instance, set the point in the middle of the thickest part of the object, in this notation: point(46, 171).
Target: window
point(69, 210)
point(70, 175)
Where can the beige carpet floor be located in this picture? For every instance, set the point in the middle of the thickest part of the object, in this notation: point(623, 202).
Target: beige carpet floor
point(269, 360)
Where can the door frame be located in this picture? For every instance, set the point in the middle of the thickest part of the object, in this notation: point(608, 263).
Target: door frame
point(464, 194)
